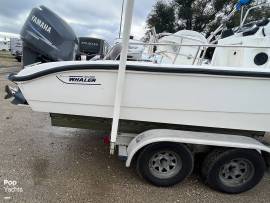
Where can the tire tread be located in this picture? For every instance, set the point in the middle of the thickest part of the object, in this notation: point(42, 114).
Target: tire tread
point(221, 153)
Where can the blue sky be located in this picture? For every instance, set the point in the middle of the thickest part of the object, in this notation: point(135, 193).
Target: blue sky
point(97, 18)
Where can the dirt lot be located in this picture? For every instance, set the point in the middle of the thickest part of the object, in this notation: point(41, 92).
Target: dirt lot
point(7, 60)
point(52, 164)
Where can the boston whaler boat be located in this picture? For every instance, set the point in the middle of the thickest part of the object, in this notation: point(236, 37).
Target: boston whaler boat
point(229, 94)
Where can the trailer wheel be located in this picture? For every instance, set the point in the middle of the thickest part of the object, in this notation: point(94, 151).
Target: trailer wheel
point(233, 170)
point(165, 164)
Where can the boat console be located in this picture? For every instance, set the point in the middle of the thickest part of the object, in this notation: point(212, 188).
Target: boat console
point(253, 42)
point(252, 27)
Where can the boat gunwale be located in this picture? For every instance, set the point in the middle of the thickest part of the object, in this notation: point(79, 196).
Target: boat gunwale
point(163, 69)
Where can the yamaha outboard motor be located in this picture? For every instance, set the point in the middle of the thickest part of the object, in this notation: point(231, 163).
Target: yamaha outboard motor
point(46, 38)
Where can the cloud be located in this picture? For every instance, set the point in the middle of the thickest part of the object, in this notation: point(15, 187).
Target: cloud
point(98, 18)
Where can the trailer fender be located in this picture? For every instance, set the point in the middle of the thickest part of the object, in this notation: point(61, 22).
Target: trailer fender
point(189, 137)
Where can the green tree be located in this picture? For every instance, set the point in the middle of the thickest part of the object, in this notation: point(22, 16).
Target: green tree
point(162, 17)
point(199, 15)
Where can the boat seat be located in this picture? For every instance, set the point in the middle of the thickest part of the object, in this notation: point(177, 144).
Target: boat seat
point(114, 53)
point(262, 22)
point(250, 31)
point(227, 33)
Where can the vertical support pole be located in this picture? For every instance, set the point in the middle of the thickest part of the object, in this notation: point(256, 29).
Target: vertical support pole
point(198, 50)
point(241, 15)
point(120, 26)
point(121, 72)
point(204, 52)
point(178, 51)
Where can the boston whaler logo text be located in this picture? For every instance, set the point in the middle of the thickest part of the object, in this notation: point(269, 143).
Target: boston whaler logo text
point(84, 79)
point(41, 24)
point(81, 80)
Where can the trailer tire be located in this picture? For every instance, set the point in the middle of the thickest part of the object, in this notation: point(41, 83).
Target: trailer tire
point(233, 170)
point(165, 164)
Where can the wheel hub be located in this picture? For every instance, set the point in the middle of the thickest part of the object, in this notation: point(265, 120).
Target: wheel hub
point(236, 172)
point(165, 164)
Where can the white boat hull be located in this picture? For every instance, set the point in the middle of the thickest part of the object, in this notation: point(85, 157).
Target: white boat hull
point(211, 100)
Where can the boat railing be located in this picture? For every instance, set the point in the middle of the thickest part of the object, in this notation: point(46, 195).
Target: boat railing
point(201, 48)
point(180, 36)
point(258, 5)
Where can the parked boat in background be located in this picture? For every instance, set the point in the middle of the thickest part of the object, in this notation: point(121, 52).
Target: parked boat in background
point(16, 48)
point(90, 47)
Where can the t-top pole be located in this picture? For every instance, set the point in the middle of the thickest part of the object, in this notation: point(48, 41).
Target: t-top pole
point(121, 72)
point(121, 20)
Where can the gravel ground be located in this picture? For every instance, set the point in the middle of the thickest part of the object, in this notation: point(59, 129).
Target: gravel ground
point(52, 164)
point(7, 60)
